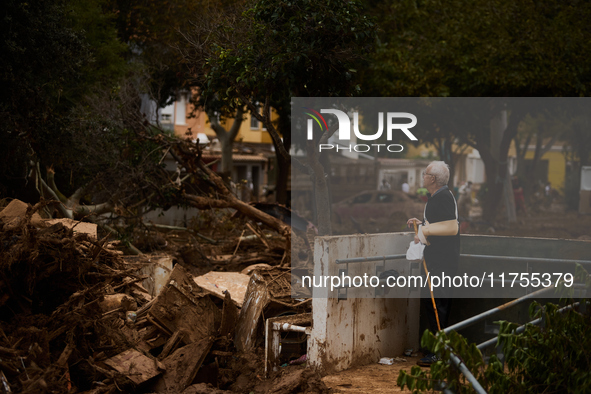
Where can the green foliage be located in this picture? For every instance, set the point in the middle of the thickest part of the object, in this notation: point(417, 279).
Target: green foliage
point(441, 373)
point(577, 153)
point(279, 49)
point(553, 357)
point(55, 53)
point(107, 53)
point(482, 48)
point(152, 28)
point(71, 93)
point(40, 58)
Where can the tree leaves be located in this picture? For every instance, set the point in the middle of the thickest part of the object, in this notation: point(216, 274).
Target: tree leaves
point(553, 357)
point(485, 48)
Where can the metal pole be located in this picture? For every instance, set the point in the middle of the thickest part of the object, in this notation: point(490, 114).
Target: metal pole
point(373, 258)
point(483, 315)
point(462, 367)
point(472, 256)
point(524, 259)
point(520, 329)
point(288, 327)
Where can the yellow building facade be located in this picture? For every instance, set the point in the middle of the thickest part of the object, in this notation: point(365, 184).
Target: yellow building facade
point(180, 115)
point(556, 165)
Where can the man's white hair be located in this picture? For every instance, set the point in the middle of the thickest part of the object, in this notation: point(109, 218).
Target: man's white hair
point(440, 171)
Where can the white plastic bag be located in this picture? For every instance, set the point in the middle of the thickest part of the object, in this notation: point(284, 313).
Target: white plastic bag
point(415, 251)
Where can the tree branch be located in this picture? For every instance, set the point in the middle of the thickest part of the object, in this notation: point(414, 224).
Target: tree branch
point(53, 186)
point(266, 120)
point(233, 132)
point(46, 190)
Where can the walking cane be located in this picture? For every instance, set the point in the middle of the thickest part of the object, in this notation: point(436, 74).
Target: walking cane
point(429, 283)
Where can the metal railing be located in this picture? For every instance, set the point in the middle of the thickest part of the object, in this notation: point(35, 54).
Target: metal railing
point(472, 256)
point(372, 258)
point(481, 316)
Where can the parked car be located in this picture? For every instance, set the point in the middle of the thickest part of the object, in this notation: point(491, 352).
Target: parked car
point(378, 204)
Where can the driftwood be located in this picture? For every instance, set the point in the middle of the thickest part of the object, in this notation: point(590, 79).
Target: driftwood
point(257, 298)
point(184, 306)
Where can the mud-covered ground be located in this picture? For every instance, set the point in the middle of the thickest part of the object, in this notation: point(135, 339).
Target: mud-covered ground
point(370, 379)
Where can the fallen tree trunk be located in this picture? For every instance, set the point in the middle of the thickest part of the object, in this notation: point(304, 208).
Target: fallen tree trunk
point(190, 157)
point(242, 207)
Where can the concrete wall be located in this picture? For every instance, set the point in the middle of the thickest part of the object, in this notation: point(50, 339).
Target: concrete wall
point(357, 330)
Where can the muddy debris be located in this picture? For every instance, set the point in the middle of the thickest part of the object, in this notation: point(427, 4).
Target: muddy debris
point(79, 316)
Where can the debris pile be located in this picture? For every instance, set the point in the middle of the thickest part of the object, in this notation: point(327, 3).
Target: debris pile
point(78, 316)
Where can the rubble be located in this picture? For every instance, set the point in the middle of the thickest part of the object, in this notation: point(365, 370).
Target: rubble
point(183, 364)
point(156, 267)
point(16, 211)
point(76, 315)
point(218, 283)
point(133, 364)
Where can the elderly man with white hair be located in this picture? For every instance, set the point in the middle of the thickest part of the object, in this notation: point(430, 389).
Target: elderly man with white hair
point(439, 231)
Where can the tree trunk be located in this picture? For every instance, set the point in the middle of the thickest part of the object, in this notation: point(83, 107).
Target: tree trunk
point(321, 198)
point(495, 160)
point(226, 138)
point(446, 155)
point(283, 163)
point(227, 159)
point(281, 182)
point(491, 199)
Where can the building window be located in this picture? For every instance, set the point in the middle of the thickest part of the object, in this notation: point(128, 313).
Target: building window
point(181, 108)
point(254, 122)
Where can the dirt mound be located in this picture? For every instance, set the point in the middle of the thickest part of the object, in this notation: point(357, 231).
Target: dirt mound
point(294, 380)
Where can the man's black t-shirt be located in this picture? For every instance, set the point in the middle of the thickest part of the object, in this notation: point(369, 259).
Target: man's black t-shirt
point(443, 253)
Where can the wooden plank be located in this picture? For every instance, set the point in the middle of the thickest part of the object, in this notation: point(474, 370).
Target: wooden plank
point(133, 364)
point(257, 298)
point(226, 258)
point(217, 283)
point(184, 306)
point(183, 364)
point(15, 211)
point(172, 343)
point(156, 267)
point(229, 317)
point(79, 227)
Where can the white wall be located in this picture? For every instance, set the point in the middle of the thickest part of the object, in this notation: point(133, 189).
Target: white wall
point(358, 331)
point(475, 168)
